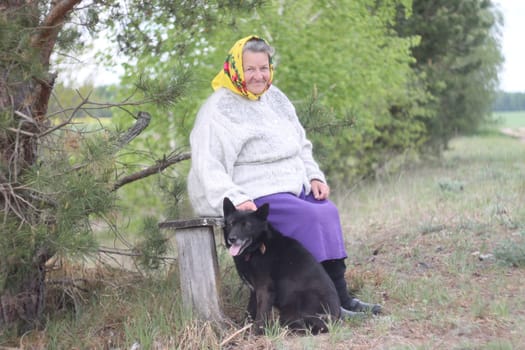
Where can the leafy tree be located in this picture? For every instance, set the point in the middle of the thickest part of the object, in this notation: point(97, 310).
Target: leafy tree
point(459, 58)
point(55, 178)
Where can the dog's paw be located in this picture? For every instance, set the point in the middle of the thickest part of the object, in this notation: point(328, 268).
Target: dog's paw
point(258, 328)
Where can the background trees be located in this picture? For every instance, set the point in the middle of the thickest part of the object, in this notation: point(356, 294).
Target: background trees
point(510, 101)
point(459, 59)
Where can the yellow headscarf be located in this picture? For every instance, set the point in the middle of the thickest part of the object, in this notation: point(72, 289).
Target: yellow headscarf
point(232, 74)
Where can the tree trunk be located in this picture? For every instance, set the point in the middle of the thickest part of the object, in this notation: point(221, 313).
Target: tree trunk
point(22, 293)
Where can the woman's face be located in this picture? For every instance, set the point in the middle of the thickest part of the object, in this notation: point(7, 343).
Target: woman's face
point(256, 68)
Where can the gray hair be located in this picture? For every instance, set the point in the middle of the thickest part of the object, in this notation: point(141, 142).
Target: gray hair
point(258, 45)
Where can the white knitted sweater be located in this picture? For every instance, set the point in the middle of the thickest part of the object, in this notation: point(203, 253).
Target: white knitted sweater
point(244, 149)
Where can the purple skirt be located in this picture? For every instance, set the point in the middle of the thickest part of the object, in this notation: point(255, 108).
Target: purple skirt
point(314, 223)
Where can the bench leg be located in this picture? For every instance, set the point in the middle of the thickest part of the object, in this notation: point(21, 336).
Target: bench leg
point(199, 271)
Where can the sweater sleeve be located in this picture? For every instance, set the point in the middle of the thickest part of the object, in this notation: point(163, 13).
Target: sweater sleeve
point(214, 149)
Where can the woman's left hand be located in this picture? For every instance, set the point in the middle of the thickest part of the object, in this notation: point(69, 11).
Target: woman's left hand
point(320, 190)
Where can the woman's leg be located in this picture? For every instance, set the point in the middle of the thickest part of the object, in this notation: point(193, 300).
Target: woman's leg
point(336, 269)
point(315, 224)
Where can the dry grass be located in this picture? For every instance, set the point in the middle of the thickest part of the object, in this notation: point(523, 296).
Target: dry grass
point(423, 243)
point(436, 244)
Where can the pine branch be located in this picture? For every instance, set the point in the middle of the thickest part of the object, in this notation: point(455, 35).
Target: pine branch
point(143, 119)
point(133, 254)
point(84, 101)
point(152, 170)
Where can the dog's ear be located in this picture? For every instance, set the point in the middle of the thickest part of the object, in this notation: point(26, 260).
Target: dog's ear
point(227, 206)
point(262, 211)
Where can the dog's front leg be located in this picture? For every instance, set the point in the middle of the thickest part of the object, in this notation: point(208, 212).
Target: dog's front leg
point(252, 305)
point(265, 296)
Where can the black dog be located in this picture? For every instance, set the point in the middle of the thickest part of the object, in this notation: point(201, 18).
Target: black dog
point(279, 271)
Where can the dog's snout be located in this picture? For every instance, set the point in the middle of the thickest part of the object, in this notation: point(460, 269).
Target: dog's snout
point(231, 240)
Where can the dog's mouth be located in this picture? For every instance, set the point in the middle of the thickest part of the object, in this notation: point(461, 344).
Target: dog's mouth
point(239, 246)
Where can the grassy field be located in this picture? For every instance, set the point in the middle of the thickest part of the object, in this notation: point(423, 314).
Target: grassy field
point(511, 119)
point(440, 244)
point(443, 247)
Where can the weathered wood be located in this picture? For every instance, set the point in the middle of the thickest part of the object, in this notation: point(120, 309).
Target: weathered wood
point(194, 222)
point(198, 266)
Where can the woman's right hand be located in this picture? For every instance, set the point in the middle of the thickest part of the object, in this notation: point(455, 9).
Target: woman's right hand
point(248, 205)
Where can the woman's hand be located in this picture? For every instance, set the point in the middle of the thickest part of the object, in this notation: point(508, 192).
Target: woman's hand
point(248, 205)
point(320, 190)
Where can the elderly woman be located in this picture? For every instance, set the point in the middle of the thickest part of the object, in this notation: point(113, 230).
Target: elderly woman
point(248, 145)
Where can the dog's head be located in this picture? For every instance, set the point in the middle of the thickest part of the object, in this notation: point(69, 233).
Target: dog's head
point(244, 231)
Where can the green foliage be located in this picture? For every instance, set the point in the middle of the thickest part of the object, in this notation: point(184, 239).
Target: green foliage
point(153, 247)
point(78, 184)
point(17, 55)
point(512, 252)
point(64, 192)
point(319, 119)
point(155, 25)
point(164, 93)
point(459, 58)
point(448, 185)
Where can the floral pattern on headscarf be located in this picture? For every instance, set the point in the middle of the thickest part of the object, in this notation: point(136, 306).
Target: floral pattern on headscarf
point(232, 75)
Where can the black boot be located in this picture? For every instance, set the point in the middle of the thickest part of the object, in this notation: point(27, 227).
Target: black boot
point(336, 270)
point(360, 306)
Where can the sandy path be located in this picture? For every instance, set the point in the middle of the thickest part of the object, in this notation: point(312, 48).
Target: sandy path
point(517, 133)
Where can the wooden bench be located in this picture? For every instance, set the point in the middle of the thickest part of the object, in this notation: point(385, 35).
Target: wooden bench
point(198, 265)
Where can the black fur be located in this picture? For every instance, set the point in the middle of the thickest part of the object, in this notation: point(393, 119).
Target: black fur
point(279, 271)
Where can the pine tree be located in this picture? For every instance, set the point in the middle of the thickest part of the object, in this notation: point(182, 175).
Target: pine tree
point(54, 177)
point(459, 59)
